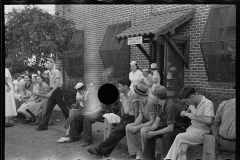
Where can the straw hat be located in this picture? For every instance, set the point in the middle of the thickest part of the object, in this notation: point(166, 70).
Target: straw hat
point(141, 88)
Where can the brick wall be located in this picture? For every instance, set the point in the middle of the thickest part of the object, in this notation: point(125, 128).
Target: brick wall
point(95, 18)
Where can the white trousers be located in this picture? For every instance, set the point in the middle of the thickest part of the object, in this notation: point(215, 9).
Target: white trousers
point(132, 141)
point(192, 136)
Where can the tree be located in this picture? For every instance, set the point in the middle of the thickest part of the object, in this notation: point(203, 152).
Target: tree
point(32, 35)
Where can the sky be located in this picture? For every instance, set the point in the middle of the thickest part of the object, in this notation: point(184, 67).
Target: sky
point(49, 8)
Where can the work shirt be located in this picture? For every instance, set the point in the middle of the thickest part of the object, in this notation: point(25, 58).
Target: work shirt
point(53, 75)
point(225, 119)
point(147, 107)
point(170, 114)
point(135, 78)
point(204, 109)
point(127, 102)
point(91, 101)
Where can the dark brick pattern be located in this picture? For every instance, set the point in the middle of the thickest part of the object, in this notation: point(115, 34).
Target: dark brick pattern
point(94, 19)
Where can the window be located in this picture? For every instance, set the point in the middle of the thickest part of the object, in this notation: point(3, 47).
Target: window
point(74, 57)
point(218, 44)
point(114, 54)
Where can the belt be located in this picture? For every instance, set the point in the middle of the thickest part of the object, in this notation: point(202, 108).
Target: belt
point(226, 139)
point(52, 88)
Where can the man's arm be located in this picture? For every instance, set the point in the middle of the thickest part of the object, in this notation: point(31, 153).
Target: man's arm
point(205, 120)
point(138, 120)
point(167, 129)
point(217, 121)
point(136, 109)
point(55, 87)
point(149, 123)
point(155, 124)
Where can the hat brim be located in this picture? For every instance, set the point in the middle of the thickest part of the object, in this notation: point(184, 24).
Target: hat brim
point(139, 91)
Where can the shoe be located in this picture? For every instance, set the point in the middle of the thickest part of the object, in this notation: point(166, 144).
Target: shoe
point(131, 156)
point(25, 121)
point(32, 123)
point(87, 143)
point(9, 124)
point(63, 139)
point(71, 140)
point(93, 151)
point(41, 129)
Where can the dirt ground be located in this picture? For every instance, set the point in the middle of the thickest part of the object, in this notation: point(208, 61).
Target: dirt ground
point(23, 142)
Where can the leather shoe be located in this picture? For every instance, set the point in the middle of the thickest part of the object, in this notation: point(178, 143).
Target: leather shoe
point(93, 151)
point(87, 143)
point(41, 129)
point(71, 140)
point(131, 156)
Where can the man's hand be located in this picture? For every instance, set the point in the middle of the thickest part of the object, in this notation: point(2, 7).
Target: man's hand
point(183, 113)
point(86, 113)
point(49, 95)
point(134, 129)
point(149, 134)
point(8, 89)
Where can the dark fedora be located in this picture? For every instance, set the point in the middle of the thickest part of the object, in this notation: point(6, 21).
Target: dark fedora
point(141, 88)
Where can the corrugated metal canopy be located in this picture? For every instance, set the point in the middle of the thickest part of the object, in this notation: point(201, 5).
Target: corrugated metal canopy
point(159, 23)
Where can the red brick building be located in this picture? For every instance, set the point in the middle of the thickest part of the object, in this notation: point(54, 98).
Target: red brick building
point(194, 43)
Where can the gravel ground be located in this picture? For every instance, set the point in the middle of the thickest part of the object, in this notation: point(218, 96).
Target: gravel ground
point(23, 142)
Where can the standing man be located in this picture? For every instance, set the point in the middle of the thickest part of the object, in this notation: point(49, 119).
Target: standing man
point(55, 96)
point(201, 113)
point(146, 117)
point(224, 125)
point(129, 110)
point(168, 112)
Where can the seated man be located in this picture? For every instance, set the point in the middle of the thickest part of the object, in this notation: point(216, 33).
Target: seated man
point(224, 125)
point(82, 98)
point(146, 117)
point(129, 110)
point(83, 122)
point(168, 112)
point(201, 113)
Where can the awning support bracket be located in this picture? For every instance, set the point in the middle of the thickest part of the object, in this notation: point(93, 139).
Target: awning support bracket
point(177, 50)
point(145, 53)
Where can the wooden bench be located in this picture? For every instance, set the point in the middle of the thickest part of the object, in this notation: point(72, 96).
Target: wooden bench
point(210, 150)
point(108, 127)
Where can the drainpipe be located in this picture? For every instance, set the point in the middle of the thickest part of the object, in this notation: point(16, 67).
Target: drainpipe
point(63, 64)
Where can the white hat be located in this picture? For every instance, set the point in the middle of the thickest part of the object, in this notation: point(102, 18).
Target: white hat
point(173, 68)
point(78, 85)
point(34, 75)
point(153, 66)
point(133, 63)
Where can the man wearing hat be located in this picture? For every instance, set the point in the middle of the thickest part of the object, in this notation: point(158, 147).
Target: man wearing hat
point(168, 112)
point(55, 96)
point(146, 117)
point(81, 97)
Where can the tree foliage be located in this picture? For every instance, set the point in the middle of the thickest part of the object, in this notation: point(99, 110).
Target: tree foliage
point(32, 32)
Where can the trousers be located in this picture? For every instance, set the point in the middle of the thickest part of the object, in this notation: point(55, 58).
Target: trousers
point(148, 145)
point(192, 136)
point(81, 123)
point(118, 133)
point(56, 98)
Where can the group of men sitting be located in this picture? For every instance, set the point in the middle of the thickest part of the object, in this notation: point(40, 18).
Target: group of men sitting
point(152, 118)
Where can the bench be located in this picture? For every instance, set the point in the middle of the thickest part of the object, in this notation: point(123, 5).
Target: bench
point(210, 150)
point(108, 127)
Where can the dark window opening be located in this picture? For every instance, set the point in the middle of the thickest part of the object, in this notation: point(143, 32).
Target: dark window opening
point(218, 44)
point(114, 54)
point(74, 58)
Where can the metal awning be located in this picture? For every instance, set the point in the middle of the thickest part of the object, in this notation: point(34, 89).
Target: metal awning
point(159, 23)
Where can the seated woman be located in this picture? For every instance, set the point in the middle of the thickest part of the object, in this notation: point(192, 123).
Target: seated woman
point(24, 90)
point(28, 98)
point(37, 108)
point(80, 99)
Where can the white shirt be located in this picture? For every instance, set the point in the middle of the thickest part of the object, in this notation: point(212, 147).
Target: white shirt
point(156, 75)
point(135, 77)
point(205, 108)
